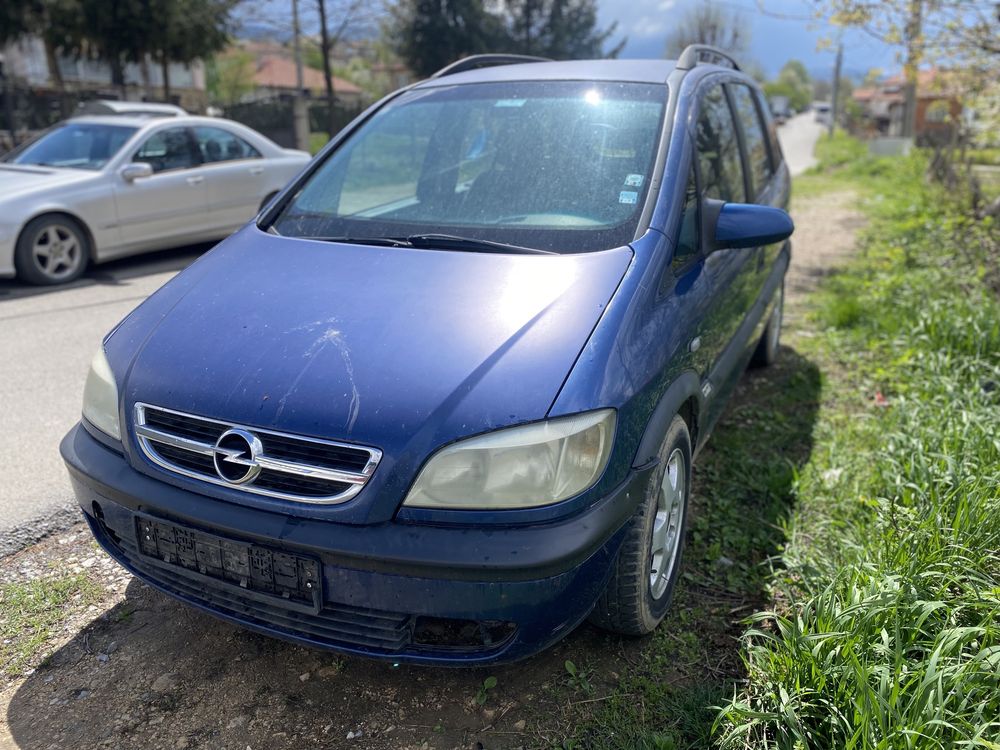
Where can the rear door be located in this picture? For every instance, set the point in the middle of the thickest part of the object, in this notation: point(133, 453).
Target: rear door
point(234, 176)
point(169, 205)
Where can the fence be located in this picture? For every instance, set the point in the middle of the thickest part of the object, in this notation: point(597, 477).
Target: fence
point(275, 118)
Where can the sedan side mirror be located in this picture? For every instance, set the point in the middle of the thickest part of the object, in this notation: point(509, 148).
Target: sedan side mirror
point(136, 170)
point(736, 225)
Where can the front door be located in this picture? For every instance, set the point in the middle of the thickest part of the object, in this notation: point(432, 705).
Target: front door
point(169, 206)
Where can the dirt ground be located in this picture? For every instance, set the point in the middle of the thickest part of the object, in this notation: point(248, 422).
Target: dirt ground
point(134, 669)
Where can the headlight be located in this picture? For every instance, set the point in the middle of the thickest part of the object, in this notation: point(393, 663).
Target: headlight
point(100, 397)
point(519, 467)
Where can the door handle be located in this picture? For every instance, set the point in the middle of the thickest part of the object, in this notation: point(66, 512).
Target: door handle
point(195, 180)
point(256, 170)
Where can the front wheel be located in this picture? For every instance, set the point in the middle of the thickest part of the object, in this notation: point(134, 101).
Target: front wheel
point(642, 581)
point(51, 250)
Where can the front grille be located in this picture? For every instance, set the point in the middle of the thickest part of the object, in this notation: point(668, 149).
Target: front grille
point(291, 467)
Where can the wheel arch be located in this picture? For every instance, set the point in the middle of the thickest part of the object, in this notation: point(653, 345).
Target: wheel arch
point(682, 397)
point(59, 211)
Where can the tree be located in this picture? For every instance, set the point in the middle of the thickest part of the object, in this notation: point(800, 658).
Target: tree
point(118, 32)
point(230, 76)
point(429, 34)
point(707, 23)
point(58, 23)
point(560, 29)
point(188, 30)
point(349, 13)
point(960, 33)
point(794, 83)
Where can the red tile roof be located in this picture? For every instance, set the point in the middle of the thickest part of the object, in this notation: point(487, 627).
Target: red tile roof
point(278, 72)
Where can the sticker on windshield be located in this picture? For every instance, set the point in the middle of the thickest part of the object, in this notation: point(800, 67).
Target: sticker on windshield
point(634, 180)
point(510, 102)
point(627, 196)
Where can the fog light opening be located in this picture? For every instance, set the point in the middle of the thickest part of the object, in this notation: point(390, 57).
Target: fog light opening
point(447, 633)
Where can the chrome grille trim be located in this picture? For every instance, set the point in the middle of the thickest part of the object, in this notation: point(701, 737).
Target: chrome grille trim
point(148, 437)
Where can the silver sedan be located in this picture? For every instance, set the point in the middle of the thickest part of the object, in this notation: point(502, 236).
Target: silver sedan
point(92, 189)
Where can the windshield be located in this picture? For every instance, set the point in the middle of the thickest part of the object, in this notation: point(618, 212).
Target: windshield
point(558, 166)
point(73, 144)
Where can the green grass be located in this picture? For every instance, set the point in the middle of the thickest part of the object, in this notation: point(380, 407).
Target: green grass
point(853, 495)
point(29, 613)
point(317, 141)
point(885, 632)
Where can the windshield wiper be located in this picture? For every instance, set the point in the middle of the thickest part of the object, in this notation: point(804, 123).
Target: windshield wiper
point(381, 241)
point(437, 241)
point(470, 244)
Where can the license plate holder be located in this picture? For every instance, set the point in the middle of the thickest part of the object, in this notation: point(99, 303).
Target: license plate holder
point(254, 571)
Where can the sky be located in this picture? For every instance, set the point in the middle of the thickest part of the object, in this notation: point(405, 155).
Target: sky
point(780, 30)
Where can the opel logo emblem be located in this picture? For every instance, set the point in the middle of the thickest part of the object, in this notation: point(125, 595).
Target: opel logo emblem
point(235, 456)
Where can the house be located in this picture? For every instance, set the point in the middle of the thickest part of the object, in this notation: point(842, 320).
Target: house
point(275, 76)
point(29, 68)
point(883, 104)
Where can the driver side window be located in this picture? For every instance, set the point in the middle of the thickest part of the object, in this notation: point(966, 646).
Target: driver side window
point(168, 149)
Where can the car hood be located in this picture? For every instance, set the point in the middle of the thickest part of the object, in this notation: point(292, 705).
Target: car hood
point(400, 349)
point(18, 179)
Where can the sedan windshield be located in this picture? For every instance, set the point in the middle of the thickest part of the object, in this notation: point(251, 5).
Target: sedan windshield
point(557, 166)
point(79, 145)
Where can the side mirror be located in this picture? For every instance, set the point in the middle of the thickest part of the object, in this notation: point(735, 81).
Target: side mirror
point(136, 170)
point(737, 225)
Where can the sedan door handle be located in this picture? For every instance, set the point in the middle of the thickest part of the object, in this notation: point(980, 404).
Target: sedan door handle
point(256, 170)
point(195, 180)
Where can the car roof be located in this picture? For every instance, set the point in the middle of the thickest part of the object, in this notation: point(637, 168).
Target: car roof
point(632, 71)
point(114, 107)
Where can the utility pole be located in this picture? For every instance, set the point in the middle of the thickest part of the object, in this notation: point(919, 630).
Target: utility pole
point(835, 104)
point(300, 111)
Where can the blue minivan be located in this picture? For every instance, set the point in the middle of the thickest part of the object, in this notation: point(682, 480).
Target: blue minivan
point(438, 402)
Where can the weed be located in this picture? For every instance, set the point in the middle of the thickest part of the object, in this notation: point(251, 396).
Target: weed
point(483, 694)
point(578, 678)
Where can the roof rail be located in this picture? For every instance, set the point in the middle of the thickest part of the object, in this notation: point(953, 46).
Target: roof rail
point(705, 53)
point(485, 61)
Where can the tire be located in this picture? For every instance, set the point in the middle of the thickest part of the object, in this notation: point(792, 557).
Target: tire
point(767, 348)
point(52, 249)
point(638, 595)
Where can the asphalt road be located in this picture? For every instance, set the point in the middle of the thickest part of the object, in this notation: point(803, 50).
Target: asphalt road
point(798, 136)
point(48, 336)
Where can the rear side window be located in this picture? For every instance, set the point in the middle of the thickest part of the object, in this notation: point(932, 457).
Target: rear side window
point(758, 158)
point(719, 149)
point(216, 144)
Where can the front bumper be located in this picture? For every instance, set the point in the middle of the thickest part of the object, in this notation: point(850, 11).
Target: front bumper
point(485, 594)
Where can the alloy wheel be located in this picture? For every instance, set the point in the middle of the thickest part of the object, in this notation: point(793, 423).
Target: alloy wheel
point(668, 524)
point(57, 251)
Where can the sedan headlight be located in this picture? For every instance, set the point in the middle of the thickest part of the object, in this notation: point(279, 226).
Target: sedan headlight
point(518, 467)
point(100, 397)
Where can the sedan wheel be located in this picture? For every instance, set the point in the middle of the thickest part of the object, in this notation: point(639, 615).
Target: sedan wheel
point(51, 250)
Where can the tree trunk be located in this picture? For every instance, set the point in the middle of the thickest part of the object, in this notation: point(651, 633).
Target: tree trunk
point(327, 71)
point(165, 69)
point(912, 68)
point(52, 60)
point(118, 75)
